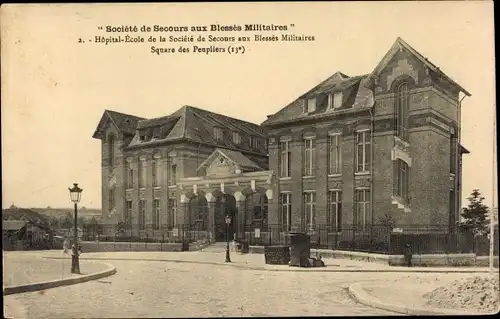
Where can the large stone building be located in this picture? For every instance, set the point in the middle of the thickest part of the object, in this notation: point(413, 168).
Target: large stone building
point(352, 152)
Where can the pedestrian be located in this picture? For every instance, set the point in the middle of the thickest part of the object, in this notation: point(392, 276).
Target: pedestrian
point(408, 254)
point(65, 245)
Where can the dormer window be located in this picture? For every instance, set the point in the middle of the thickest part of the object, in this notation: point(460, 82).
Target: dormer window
point(142, 136)
point(218, 133)
point(334, 100)
point(253, 142)
point(310, 105)
point(236, 138)
point(156, 132)
point(337, 100)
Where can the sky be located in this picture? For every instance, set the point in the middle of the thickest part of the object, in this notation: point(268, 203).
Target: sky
point(55, 89)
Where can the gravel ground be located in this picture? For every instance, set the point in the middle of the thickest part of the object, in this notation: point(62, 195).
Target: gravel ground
point(432, 291)
point(22, 268)
point(164, 289)
point(479, 293)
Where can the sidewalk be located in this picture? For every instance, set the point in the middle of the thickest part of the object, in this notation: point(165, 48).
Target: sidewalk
point(256, 262)
point(23, 269)
point(406, 296)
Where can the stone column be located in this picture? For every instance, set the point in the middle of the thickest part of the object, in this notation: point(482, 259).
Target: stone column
point(240, 217)
point(211, 216)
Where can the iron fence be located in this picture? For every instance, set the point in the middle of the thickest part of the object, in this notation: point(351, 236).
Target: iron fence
point(424, 239)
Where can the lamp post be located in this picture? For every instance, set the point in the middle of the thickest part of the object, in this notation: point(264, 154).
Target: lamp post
point(75, 194)
point(228, 221)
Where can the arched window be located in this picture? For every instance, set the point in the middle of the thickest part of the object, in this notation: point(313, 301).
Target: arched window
point(111, 151)
point(402, 107)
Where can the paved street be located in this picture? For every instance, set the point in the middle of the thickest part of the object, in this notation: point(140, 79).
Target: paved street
point(163, 289)
point(148, 288)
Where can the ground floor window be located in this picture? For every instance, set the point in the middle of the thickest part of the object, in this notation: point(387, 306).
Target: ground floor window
point(363, 213)
point(142, 214)
point(335, 210)
point(286, 211)
point(172, 212)
point(156, 214)
point(127, 218)
point(310, 210)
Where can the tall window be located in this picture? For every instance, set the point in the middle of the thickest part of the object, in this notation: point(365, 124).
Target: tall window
point(173, 175)
point(111, 199)
point(142, 214)
point(111, 152)
point(236, 138)
point(453, 155)
point(309, 209)
point(309, 156)
point(330, 100)
point(285, 159)
point(363, 213)
point(130, 176)
point(156, 214)
point(172, 212)
point(218, 134)
point(335, 210)
point(402, 104)
point(286, 210)
point(363, 151)
point(156, 172)
point(402, 180)
point(128, 213)
point(335, 154)
point(142, 173)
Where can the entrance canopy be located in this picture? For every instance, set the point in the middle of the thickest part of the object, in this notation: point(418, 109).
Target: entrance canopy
point(227, 172)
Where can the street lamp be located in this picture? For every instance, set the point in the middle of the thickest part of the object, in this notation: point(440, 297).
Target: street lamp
point(228, 221)
point(75, 194)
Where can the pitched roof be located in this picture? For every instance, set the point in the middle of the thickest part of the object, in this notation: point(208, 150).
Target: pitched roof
point(401, 43)
point(355, 94)
point(125, 123)
point(198, 125)
point(235, 157)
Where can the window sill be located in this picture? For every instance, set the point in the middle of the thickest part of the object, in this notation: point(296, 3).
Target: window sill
point(129, 189)
point(335, 175)
point(156, 187)
point(362, 173)
point(172, 186)
point(285, 178)
point(308, 177)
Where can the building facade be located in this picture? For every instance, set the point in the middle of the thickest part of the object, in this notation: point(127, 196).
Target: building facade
point(371, 149)
point(192, 167)
point(353, 151)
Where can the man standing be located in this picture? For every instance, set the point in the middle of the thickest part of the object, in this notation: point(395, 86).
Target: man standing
point(408, 254)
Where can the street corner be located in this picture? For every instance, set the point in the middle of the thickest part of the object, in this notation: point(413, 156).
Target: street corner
point(405, 301)
point(99, 270)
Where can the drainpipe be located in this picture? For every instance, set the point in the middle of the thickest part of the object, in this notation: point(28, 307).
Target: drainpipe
point(458, 175)
point(372, 139)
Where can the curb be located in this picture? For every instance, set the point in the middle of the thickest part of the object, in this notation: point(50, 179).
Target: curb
point(330, 268)
point(58, 283)
point(359, 294)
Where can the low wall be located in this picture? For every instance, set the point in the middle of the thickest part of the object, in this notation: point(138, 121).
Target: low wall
point(429, 260)
point(94, 246)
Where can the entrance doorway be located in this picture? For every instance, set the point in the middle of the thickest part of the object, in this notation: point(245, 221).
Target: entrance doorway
point(225, 205)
